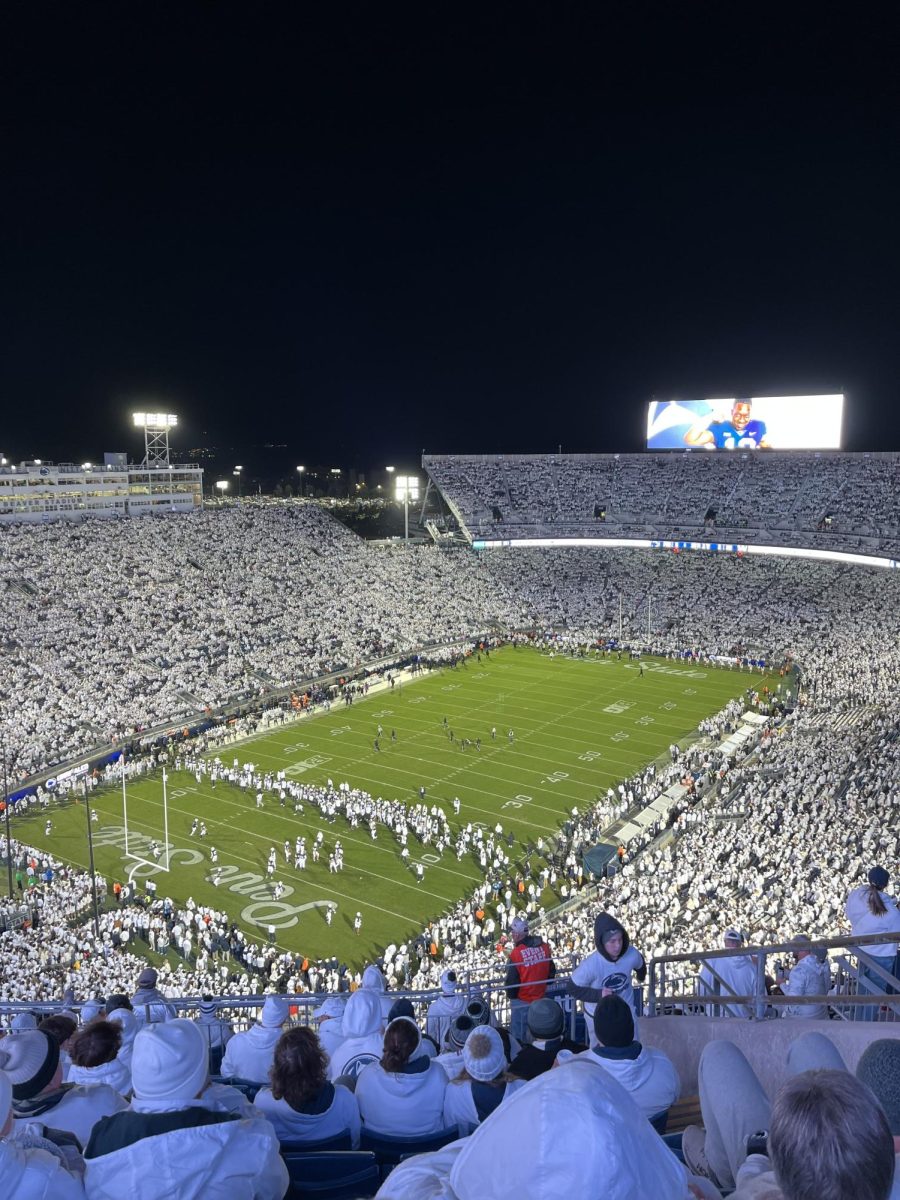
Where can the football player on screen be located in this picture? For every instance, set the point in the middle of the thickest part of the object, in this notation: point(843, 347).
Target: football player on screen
point(730, 431)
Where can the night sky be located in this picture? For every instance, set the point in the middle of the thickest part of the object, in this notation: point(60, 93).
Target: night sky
point(377, 229)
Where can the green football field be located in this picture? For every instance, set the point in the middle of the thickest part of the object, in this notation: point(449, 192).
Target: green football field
point(580, 725)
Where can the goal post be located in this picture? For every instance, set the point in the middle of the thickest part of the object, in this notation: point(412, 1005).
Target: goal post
point(137, 844)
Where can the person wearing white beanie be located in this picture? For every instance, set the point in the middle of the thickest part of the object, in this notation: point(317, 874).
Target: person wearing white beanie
point(32, 1062)
point(171, 1142)
point(482, 1085)
point(441, 1011)
point(30, 1168)
point(249, 1055)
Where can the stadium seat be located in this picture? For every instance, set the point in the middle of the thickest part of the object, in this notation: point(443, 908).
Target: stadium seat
point(390, 1150)
point(332, 1175)
point(340, 1141)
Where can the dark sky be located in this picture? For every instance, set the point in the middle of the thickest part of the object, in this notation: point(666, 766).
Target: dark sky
point(455, 227)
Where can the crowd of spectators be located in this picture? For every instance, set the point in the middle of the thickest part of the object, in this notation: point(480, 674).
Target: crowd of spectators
point(766, 843)
point(846, 501)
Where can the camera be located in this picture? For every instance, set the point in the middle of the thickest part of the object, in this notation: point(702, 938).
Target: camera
point(758, 1143)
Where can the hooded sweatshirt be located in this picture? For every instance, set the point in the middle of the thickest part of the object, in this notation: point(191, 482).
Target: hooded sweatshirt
point(114, 1073)
point(863, 920)
point(374, 980)
point(363, 1035)
point(150, 1004)
point(191, 1154)
point(249, 1055)
point(599, 971)
point(332, 1112)
point(71, 1108)
point(29, 1174)
point(647, 1075)
point(568, 1126)
point(402, 1103)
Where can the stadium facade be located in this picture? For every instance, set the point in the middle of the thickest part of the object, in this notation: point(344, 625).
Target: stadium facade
point(38, 491)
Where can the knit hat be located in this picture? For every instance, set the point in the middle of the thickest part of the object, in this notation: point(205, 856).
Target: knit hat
point(448, 983)
point(5, 1097)
point(545, 1020)
point(519, 927)
point(147, 978)
point(170, 1062)
point(208, 1007)
point(22, 1021)
point(483, 1055)
point(459, 1030)
point(479, 1012)
point(879, 1069)
point(878, 877)
point(400, 1008)
point(30, 1060)
point(275, 1012)
point(613, 1022)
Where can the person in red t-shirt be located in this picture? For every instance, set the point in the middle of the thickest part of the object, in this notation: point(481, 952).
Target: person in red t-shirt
point(530, 968)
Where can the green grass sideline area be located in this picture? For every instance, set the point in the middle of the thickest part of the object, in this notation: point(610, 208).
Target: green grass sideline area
point(580, 725)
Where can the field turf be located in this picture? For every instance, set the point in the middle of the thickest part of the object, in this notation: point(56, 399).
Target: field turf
point(580, 726)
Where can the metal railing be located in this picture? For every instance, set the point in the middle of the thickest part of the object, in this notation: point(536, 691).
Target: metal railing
point(861, 989)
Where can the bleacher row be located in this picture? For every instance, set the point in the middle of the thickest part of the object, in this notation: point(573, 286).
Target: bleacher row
point(837, 501)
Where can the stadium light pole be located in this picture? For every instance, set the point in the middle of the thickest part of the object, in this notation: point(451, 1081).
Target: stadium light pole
point(300, 471)
point(9, 874)
point(222, 488)
point(237, 474)
point(87, 813)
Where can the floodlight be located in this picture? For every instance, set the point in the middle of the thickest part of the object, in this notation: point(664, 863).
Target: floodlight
point(222, 485)
point(390, 470)
point(155, 420)
point(335, 470)
point(406, 487)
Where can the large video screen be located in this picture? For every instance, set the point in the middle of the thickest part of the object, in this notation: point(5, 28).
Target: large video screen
point(746, 423)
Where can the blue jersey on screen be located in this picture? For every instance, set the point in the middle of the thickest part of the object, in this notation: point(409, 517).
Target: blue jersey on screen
point(726, 437)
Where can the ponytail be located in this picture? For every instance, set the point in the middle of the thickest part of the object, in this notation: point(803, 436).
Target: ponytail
point(875, 901)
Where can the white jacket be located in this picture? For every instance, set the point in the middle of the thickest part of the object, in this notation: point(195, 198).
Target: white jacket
point(650, 1079)
point(362, 1027)
point(249, 1055)
point(77, 1110)
point(402, 1105)
point(116, 1073)
point(863, 920)
point(342, 1116)
point(232, 1160)
point(739, 973)
point(459, 1107)
point(441, 1014)
point(809, 977)
point(567, 1126)
point(35, 1175)
point(373, 980)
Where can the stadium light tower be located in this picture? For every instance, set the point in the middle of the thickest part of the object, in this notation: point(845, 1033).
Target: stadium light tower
point(237, 473)
point(156, 428)
point(300, 471)
point(222, 488)
point(407, 488)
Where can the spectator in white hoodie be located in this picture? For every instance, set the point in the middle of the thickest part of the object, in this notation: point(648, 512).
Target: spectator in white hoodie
point(301, 1103)
point(403, 1094)
point(442, 1011)
point(362, 1027)
point(249, 1054)
point(646, 1074)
